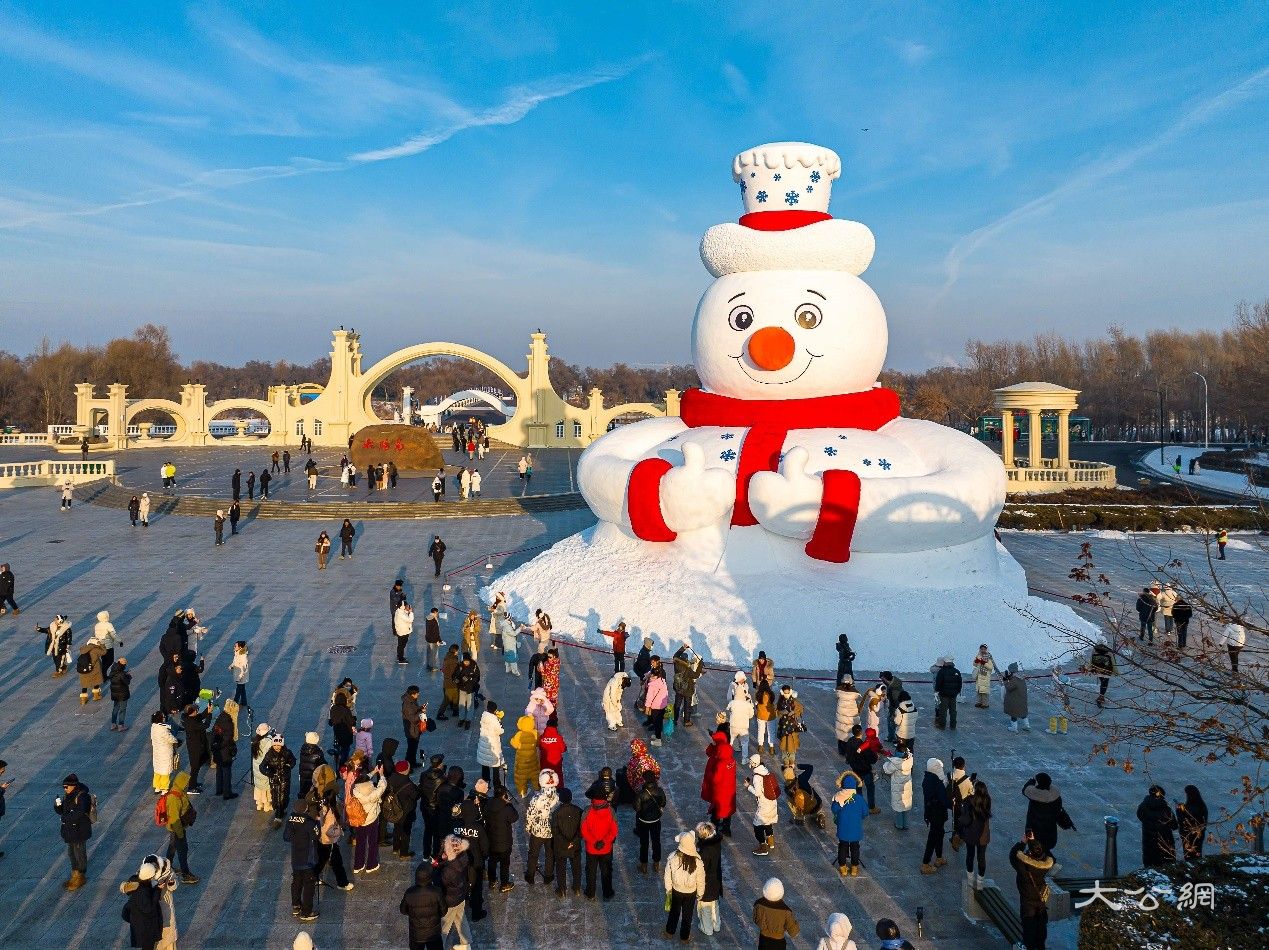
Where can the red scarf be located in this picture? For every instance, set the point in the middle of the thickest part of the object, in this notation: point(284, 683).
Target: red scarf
point(768, 423)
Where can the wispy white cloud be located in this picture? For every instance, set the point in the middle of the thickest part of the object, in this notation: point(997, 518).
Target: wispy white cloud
point(912, 52)
point(518, 104)
point(133, 74)
point(1099, 171)
point(737, 82)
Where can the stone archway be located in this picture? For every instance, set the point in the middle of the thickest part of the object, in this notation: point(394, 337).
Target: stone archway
point(166, 406)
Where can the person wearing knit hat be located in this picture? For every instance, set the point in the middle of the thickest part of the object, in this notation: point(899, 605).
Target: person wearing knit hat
point(144, 910)
point(537, 825)
point(276, 766)
point(365, 742)
point(302, 941)
point(684, 881)
point(311, 756)
point(774, 918)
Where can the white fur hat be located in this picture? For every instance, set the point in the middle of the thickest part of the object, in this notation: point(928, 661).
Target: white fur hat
point(773, 890)
point(548, 779)
point(312, 738)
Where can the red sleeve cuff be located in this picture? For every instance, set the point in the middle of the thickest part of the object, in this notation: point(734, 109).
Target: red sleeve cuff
point(643, 501)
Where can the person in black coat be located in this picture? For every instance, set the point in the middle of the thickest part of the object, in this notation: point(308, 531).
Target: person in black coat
point(469, 824)
point(937, 807)
point(566, 842)
point(265, 478)
point(223, 750)
point(500, 821)
point(1182, 613)
point(436, 551)
point(604, 786)
point(1158, 845)
point(144, 910)
point(1032, 863)
point(276, 766)
point(947, 686)
point(643, 660)
point(197, 743)
point(451, 876)
point(311, 756)
point(74, 807)
point(1191, 817)
point(172, 688)
point(175, 639)
point(429, 785)
point(448, 797)
point(235, 515)
point(649, 805)
point(346, 534)
point(709, 846)
point(1044, 809)
point(424, 905)
point(251, 486)
point(845, 658)
point(396, 597)
point(120, 693)
point(402, 788)
point(302, 832)
point(344, 726)
point(235, 484)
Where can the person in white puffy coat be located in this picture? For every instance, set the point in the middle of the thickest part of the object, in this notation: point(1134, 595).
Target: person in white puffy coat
point(765, 813)
point(848, 704)
point(105, 634)
point(739, 716)
point(489, 747)
point(899, 768)
point(162, 752)
point(611, 700)
point(905, 718)
point(837, 930)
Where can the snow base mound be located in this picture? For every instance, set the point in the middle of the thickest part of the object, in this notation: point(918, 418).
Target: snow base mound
point(898, 613)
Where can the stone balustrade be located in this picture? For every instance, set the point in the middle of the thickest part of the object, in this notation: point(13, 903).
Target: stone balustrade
point(50, 472)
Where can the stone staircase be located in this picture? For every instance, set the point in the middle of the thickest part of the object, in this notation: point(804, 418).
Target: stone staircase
point(195, 506)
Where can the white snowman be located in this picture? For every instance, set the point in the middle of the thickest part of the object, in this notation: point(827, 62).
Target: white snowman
point(790, 445)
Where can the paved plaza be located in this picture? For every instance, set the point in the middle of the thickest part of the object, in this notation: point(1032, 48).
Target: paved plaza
point(307, 630)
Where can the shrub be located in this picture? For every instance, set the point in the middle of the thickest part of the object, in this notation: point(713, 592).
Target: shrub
point(1241, 884)
point(1056, 517)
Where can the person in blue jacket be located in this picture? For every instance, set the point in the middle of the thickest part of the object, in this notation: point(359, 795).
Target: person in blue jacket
point(849, 809)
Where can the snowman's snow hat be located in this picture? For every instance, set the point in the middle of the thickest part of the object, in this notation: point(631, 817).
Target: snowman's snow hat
point(786, 224)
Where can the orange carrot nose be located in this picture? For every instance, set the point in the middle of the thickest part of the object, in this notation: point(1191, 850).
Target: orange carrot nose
point(771, 348)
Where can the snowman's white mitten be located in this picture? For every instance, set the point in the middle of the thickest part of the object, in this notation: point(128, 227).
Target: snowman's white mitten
point(693, 496)
point(787, 502)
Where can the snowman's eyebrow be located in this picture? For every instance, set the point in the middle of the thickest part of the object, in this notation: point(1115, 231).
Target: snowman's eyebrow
point(817, 293)
point(737, 297)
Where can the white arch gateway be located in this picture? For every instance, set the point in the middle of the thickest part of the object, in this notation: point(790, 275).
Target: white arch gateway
point(540, 418)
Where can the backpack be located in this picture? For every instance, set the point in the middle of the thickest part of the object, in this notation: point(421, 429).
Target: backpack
point(355, 811)
point(85, 663)
point(770, 787)
point(330, 830)
point(391, 808)
point(92, 809)
point(160, 810)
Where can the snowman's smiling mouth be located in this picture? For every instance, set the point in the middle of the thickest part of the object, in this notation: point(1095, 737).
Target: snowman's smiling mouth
point(777, 382)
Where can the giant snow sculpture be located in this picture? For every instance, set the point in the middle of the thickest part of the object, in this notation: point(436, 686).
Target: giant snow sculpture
point(790, 501)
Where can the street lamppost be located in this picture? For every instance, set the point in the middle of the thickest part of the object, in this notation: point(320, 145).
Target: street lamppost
point(1206, 428)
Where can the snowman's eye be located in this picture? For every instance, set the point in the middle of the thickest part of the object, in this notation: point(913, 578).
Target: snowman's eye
point(741, 318)
point(808, 316)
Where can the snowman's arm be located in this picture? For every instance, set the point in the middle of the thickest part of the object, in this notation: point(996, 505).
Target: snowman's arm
point(603, 471)
point(957, 501)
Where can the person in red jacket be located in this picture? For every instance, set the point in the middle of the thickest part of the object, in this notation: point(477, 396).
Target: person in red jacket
point(618, 637)
point(599, 831)
point(719, 785)
point(551, 749)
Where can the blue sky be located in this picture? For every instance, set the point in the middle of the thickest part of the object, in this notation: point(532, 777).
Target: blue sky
point(254, 174)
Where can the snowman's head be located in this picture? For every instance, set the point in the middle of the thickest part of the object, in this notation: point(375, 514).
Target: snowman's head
point(789, 334)
point(788, 317)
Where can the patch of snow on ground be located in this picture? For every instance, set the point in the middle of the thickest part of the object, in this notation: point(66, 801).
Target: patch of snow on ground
point(592, 580)
point(1209, 478)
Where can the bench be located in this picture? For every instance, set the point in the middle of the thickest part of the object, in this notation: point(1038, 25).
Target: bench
point(1000, 912)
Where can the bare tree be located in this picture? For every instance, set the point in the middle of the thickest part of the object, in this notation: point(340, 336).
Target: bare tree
point(1165, 697)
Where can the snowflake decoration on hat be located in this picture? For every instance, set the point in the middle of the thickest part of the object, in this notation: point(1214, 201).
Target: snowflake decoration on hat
point(790, 197)
point(867, 461)
point(815, 176)
point(810, 188)
point(744, 186)
point(762, 197)
point(830, 450)
point(884, 464)
point(728, 435)
point(728, 455)
point(775, 177)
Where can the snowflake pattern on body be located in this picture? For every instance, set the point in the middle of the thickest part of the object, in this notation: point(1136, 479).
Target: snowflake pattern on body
point(815, 176)
point(884, 464)
point(867, 461)
point(728, 455)
point(842, 437)
point(728, 435)
point(762, 197)
point(790, 197)
point(753, 174)
point(775, 177)
point(744, 186)
point(830, 450)
point(809, 189)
